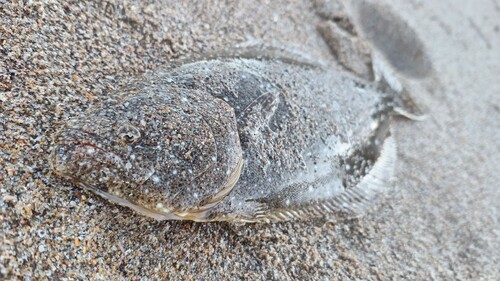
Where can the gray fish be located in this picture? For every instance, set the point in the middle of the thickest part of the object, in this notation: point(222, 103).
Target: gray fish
point(238, 139)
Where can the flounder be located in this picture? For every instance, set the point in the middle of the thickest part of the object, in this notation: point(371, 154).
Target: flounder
point(237, 138)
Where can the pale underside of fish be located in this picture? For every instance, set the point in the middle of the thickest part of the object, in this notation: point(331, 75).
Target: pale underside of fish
point(242, 138)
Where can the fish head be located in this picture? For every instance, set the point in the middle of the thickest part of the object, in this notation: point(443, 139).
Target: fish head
point(164, 160)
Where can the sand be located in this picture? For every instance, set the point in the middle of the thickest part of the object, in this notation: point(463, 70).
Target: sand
point(57, 60)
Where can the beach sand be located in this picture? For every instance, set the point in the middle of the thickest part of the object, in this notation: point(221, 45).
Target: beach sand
point(57, 60)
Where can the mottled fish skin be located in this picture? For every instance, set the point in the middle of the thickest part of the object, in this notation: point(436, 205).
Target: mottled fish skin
point(257, 136)
point(166, 149)
point(227, 139)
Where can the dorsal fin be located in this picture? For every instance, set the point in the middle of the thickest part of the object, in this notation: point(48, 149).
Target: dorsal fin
point(255, 50)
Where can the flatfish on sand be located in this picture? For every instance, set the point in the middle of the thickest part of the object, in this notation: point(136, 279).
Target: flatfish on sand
point(238, 139)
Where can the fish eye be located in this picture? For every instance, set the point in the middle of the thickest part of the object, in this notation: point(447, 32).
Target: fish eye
point(129, 134)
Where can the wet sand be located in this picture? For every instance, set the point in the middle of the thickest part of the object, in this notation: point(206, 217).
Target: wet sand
point(57, 60)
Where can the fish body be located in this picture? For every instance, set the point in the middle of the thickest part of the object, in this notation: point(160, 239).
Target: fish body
point(231, 139)
point(256, 137)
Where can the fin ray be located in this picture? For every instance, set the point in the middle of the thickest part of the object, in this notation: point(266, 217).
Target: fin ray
point(353, 201)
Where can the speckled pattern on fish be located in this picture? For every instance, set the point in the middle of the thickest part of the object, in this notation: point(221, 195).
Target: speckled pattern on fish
point(223, 140)
point(258, 138)
point(61, 58)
